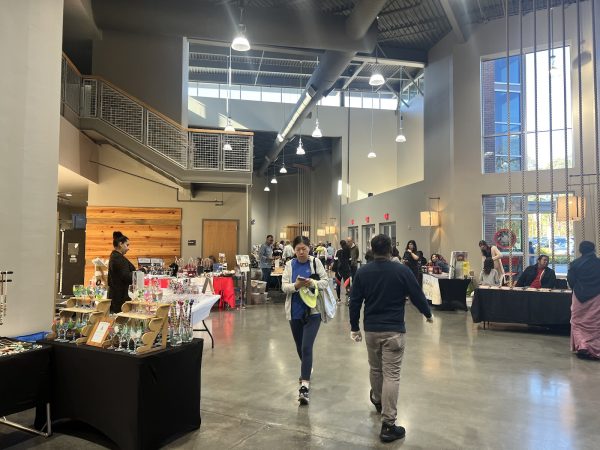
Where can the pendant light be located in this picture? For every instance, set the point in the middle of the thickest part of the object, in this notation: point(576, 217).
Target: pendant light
point(376, 76)
point(274, 179)
point(283, 169)
point(400, 138)
point(317, 131)
point(372, 153)
point(300, 148)
point(240, 42)
point(267, 188)
point(229, 127)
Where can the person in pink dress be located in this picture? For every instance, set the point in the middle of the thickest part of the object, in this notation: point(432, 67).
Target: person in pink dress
point(584, 279)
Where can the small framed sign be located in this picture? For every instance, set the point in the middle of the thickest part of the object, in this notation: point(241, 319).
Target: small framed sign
point(99, 332)
point(244, 262)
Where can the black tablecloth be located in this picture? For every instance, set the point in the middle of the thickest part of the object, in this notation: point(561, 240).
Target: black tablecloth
point(139, 402)
point(454, 293)
point(25, 381)
point(517, 306)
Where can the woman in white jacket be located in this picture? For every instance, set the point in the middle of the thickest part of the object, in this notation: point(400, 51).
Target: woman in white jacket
point(303, 271)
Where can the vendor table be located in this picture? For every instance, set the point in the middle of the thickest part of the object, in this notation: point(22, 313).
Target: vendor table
point(25, 384)
point(138, 401)
point(223, 286)
point(530, 307)
point(200, 310)
point(447, 293)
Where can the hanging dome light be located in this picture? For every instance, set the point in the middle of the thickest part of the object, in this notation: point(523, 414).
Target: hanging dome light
point(283, 170)
point(376, 79)
point(274, 180)
point(400, 138)
point(229, 128)
point(317, 132)
point(300, 149)
point(371, 155)
point(267, 188)
point(240, 43)
point(227, 147)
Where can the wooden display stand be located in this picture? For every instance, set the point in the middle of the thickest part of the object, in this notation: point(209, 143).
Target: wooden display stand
point(157, 322)
point(96, 313)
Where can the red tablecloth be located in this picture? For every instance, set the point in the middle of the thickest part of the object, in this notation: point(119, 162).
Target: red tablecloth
point(223, 286)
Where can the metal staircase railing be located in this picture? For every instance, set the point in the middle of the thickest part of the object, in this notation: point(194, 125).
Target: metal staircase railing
point(91, 97)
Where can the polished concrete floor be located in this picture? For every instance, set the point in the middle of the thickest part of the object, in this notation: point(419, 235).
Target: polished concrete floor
point(462, 388)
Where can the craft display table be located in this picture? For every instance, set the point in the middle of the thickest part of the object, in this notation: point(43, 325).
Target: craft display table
point(530, 306)
point(25, 384)
point(137, 401)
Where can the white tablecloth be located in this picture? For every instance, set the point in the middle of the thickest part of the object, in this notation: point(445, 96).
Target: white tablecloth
point(201, 307)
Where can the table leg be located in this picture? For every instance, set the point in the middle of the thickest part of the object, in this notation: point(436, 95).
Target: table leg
point(48, 426)
point(212, 339)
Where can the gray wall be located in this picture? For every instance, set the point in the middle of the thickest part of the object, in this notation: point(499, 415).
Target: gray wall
point(151, 68)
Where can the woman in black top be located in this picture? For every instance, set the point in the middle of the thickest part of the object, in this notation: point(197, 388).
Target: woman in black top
point(120, 272)
point(342, 268)
point(414, 259)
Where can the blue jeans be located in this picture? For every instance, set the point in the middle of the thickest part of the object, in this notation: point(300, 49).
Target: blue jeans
point(266, 275)
point(305, 333)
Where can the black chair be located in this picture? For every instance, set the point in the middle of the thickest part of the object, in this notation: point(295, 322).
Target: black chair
point(561, 284)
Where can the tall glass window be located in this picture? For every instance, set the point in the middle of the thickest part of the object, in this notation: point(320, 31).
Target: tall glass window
point(523, 230)
point(511, 116)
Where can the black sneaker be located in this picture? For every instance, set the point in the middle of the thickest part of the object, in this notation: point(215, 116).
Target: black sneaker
point(390, 433)
point(303, 395)
point(377, 405)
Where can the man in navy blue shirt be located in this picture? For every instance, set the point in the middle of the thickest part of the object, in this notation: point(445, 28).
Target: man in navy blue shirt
point(383, 286)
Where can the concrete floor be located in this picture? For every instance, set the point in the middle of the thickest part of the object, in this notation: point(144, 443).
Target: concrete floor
point(462, 388)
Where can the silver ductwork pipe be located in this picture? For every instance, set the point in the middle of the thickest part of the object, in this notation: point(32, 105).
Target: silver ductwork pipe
point(218, 21)
point(359, 24)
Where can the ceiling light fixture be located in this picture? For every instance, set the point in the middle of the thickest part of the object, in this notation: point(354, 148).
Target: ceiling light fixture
point(229, 127)
point(227, 147)
point(372, 154)
point(317, 131)
point(240, 42)
point(300, 148)
point(283, 169)
point(400, 138)
point(274, 180)
point(376, 77)
point(267, 188)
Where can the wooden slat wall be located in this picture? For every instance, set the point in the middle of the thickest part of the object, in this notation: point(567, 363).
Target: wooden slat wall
point(152, 233)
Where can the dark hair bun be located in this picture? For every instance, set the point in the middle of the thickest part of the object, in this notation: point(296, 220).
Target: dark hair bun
point(117, 234)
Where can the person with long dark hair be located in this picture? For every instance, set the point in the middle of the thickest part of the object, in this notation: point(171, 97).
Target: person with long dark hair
point(120, 272)
point(489, 276)
point(302, 275)
point(342, 269)
point(491, 251)
point(413, 258)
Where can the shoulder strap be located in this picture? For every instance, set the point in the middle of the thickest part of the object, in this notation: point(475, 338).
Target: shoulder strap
point(314, 265)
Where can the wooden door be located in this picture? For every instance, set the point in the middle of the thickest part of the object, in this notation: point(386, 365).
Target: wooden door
point(220, 236)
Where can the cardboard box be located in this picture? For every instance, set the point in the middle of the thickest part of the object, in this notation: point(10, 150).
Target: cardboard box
point(258, 287)
point(258, 299)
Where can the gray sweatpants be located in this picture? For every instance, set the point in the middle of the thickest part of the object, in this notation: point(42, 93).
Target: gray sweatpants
point(385, 350)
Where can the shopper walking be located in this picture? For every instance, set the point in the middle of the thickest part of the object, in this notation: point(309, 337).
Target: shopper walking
point(288, 251)
point(354, 255)
point(265, 259)
point(120, 272)
point(342, 269)
point(383, 285)
point(302, 277)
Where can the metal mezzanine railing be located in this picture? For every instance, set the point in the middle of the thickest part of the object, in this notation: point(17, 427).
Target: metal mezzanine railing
point(191, 149)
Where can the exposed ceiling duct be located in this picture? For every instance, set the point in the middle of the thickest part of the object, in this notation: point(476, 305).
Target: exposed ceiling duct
point(264, 26)
point(331, 66)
